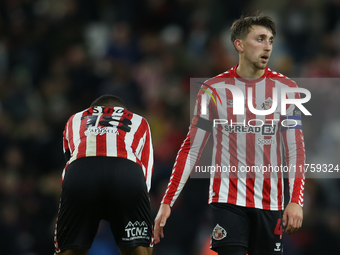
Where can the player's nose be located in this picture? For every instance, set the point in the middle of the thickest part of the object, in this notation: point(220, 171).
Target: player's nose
point(268, 46)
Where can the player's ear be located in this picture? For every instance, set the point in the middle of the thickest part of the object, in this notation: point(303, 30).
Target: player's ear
point(238, 45)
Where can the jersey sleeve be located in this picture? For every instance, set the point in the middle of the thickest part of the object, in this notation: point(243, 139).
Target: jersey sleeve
point(294, 148)
point(147, 156)
point(190, 151)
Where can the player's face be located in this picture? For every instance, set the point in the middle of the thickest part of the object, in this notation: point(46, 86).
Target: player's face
point(257, 46)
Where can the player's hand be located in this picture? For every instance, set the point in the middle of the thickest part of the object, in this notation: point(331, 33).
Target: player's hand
point(292, 218)
point(160, 221)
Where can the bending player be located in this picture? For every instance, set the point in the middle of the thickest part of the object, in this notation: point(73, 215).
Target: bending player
point(107, 176)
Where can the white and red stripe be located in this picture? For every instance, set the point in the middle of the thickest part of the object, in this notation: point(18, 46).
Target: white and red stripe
point(243, 148)
point(135, 145)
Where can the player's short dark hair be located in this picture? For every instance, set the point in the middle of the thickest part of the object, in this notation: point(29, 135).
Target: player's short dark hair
point(108, 101)
point(240, 28)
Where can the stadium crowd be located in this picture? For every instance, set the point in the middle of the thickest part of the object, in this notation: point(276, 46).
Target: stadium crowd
point(56, 57)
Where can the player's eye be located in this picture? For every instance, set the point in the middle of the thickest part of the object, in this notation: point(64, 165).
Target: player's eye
point(260, 39)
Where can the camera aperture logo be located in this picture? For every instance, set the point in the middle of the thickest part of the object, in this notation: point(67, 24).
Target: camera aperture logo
point(213, 90)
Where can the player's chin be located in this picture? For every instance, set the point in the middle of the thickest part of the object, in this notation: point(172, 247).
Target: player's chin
point(261, 65)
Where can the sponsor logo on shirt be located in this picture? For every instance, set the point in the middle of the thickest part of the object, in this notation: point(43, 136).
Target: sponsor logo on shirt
point(261, 141)
point(101, 131)
point(267, 130)
point(135, 231)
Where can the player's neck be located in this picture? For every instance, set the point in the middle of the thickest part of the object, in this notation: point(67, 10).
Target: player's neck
point(249, 71)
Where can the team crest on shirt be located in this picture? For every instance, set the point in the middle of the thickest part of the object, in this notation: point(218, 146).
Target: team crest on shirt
point(219, 233)
point(267, 104)
point(230, 103)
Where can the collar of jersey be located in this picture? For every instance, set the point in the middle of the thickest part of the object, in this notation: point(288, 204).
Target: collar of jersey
point(250, 82)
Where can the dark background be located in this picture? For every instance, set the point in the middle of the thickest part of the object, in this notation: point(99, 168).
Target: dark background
point(56, 57)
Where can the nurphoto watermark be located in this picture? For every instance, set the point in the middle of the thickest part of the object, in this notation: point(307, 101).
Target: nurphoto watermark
point(233, 112)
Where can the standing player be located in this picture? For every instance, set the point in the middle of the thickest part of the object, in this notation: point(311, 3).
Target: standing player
point(246, 206)
point(107, 176)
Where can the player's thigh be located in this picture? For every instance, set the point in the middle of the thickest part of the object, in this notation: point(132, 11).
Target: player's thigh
point(139, 250)
point(79, 209)
point(265, 232)
point(231, 226)
point(128, 209)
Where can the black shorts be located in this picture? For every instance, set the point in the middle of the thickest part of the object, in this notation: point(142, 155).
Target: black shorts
point(260, 231)
point(108, 188)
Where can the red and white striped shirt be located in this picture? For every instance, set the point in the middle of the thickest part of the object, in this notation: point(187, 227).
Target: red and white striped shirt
point(109, 132)
point(245, 145)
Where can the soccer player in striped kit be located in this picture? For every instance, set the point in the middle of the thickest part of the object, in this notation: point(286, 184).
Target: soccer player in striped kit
point(247, 206)
point(107, 176)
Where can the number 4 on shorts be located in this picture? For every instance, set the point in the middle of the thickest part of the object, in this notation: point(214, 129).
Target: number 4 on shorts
point(278, 228)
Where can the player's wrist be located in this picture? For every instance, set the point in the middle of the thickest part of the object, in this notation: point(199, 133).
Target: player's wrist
point(165, 204)
point(296, 202)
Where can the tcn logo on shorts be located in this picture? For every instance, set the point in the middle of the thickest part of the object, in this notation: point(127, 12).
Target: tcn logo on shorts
point(136, 230)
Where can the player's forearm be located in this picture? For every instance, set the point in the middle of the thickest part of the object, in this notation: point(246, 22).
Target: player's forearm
point(297, 186)
point(186, 159)
point(295, 159)
point(297, 176)
point(179, 177)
